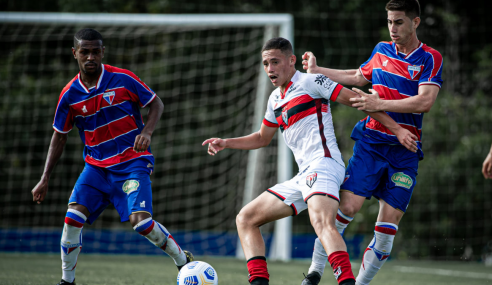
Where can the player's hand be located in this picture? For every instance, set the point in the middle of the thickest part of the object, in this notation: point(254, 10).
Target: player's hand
point(214, 145)
point(407, 139)
point(142, 142)
point(39, 191)
point(367, 102)
point(487, 167)
point(309, 62)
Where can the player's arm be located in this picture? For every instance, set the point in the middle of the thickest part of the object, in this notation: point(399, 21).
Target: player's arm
point(58, 141)
point(142, 141)
point(421, 103)
point(405, 137)
point(253, 141)
point(487, 165)
point(345, 77)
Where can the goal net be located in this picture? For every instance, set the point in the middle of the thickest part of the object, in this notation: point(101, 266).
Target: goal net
point(206, 70)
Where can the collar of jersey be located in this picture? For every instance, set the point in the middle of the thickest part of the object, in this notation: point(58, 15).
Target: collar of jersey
point(410, 53)
point(292, 80)
point(88, 90)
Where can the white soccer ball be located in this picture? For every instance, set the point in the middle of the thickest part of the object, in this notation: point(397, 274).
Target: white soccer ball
point(198, 273)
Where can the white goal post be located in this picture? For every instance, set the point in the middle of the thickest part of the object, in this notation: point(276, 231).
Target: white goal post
point(281, 246)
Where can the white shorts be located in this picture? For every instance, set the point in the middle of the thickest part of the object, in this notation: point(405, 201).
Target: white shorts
point(322, 176)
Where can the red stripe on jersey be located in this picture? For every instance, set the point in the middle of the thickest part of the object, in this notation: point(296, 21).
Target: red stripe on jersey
point(127, 72)
point(377, 126)
point(388, 93)
point(94, 104)
point(269, 124)
point(73, 223)
point(336, 92)
point(322, 128)
point(394, 66)
point(384, 230)
point(282, 94)
point(437, 58)
point(126, 155)
point(301, 115)
point(110, 131)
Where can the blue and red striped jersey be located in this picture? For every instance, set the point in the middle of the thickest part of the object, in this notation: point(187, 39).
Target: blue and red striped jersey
point(108, 118)
point(397, 76)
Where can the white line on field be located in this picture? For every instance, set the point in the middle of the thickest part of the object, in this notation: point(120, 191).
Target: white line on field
point(435, 271)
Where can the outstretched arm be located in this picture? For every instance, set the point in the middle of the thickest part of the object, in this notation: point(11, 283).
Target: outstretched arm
point(405, 137)
point(142, 141)
point(345, 77)
point(253, 141)
point(58, 141)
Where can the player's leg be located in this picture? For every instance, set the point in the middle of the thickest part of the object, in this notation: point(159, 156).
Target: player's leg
point(264, 209)
point(350, 204)
point(71, 240)
point(322, 213)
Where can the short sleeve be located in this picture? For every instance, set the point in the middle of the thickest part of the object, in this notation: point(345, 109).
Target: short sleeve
point(367, 67)
point(431, 75)
point(140, 92)
point(324, 86)
point(63, 121)
point(270, 120)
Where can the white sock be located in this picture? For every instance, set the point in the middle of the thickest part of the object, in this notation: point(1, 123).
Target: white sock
point(71, 243)
point(320, 257)
point(342, 222)
point(377, 253)
point(160, 237)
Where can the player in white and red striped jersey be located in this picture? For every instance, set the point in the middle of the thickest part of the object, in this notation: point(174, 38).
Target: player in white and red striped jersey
point(300, 108)
point(406, 78)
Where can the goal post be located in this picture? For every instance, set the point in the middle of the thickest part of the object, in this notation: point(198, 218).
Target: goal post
point(272, 25)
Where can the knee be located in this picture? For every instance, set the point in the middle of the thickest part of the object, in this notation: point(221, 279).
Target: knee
point(136, 218)
point(349, 209)
point(245, 219)
point(322, 225)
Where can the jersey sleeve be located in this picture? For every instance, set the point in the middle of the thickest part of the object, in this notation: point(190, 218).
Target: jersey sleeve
point(139, 91)
point(431, 75)
point(324, 86)
point(366, 68)
point(270, 120)
point(63, 121)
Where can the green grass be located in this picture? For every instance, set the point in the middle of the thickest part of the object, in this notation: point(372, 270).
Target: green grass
point(149, 270)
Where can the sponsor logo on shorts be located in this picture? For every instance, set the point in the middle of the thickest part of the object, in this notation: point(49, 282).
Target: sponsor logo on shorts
point(311, 178)
point(337, 272)
point(402, 180)
point(130, 186)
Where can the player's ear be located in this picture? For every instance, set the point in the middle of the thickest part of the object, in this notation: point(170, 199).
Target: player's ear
point(416, 22)
point(74, 52)
point(293, 59)
point(103, 49)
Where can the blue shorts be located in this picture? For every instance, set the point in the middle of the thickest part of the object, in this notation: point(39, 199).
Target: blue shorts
point(97, 187)
point(387, 172)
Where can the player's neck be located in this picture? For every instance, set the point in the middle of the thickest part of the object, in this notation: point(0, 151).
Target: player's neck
point(284, 86)
point(90, 80)
point(409, 46)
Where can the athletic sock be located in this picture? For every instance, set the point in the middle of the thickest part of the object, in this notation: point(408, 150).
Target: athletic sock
point(340, 262)
point(342, 222)
point(71, 243)
point(160, 237)
point(257, 268)
point(377, 253)
point(319, 254)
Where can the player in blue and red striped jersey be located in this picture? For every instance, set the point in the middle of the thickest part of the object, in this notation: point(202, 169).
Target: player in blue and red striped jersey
point(406, 78)
point(103, 102)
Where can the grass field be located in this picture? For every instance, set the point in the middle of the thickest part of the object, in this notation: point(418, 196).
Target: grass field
point(158, 270)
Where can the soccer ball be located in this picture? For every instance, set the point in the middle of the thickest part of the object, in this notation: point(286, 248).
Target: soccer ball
point(197, 273)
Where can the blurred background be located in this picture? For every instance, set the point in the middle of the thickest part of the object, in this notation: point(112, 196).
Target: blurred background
point(207, 78)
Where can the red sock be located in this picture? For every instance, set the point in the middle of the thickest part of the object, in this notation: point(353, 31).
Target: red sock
point(257, 267)
point(339, 261)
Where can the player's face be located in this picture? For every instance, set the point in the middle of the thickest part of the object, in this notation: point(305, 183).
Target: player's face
point(278, 66)
point(401, 27)
point(89, 55)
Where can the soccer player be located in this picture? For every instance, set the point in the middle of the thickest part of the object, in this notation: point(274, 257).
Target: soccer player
point(300, 108)
point(103, 102)
point(406, 78)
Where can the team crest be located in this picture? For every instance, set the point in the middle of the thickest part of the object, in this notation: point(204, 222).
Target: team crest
point(130, 186)
point(413, 70)
point(311, 178)
point(109, 97)
point(285, 116)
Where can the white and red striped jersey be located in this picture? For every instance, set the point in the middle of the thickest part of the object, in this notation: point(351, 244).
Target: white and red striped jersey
point(303, 115)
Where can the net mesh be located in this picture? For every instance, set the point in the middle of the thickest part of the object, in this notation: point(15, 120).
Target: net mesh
point(207, 79)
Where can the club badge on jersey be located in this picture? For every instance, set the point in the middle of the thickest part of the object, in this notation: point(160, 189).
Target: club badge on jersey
point(285, 116)
point(311, 178)
point(109, 96)
point(413, 70)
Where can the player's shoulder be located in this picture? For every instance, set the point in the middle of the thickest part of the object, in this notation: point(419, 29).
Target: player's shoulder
point(67, 87)
point(120, 72)
point(431, 52)
point(384, 45)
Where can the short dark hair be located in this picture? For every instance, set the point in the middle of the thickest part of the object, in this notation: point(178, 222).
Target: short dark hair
point(86, 34)
point(278, 43)
point(410, 7)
